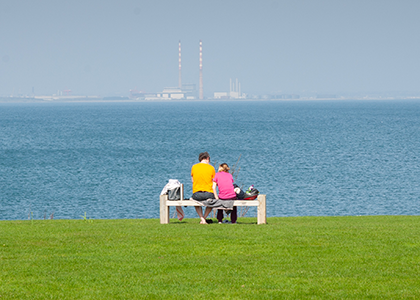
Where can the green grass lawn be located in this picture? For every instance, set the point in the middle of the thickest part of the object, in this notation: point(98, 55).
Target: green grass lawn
point(307, 257)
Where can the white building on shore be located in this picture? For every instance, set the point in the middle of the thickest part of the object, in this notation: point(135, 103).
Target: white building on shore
point(171, 93)
point(234, 92)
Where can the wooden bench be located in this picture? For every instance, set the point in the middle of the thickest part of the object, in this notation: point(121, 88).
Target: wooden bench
point(260, 203)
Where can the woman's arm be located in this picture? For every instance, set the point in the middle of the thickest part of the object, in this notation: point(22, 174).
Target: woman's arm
point(215, 190)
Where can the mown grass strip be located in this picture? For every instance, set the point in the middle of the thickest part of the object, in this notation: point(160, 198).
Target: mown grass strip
point(308, 257)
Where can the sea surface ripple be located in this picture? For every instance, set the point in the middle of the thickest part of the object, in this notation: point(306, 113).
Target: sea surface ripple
point(111, 160)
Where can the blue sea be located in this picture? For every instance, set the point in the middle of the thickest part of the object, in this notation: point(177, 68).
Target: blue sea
point(111, 160)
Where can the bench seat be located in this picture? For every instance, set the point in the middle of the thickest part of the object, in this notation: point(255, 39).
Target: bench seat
point(260, 203)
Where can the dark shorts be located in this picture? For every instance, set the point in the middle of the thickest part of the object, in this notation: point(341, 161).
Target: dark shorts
point(201, 196)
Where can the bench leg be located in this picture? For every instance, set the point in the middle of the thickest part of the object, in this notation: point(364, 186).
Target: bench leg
point(164, 210)
point(262, 215)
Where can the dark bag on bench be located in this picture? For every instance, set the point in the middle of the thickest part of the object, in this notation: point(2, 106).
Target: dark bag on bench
point(174, 194)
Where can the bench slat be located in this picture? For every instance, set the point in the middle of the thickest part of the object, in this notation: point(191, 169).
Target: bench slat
point(193, 203)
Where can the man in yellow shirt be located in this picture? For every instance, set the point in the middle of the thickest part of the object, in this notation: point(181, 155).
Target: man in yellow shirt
point(202, 178)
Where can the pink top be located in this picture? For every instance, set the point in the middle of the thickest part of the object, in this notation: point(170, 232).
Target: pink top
point(225, 184)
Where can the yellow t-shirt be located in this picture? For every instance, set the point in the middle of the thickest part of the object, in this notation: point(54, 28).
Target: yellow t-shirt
point(202, 175)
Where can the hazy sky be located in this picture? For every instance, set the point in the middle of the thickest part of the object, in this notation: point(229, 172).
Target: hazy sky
point(108, 47)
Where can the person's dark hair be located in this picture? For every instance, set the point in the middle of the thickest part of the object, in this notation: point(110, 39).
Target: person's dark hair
point(203, 155)
point(225, 167)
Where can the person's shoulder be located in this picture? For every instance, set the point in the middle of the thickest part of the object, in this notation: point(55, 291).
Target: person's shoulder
point(227, 174)
point(209, 168)
point(195, 167)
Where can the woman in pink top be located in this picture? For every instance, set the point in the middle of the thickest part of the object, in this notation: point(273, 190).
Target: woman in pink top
point(224, 181)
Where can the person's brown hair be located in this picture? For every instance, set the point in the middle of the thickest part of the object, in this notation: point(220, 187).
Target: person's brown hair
point(225, 167)
point(203, 155)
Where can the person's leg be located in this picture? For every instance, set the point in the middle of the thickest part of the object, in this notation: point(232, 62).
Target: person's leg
point(200, 214)
point(207, 212)
point(207, 195)
point(220, 215)
point(234, 215)
point(200, 196)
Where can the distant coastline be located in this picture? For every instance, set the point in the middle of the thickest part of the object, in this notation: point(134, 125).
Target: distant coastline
point(95, 99)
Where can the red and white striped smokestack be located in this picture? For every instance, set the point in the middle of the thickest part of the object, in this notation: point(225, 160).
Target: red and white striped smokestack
point(179, 62)
point(201, 72)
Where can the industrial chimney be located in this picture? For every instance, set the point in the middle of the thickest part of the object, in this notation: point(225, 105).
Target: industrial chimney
point(201, 72)
point(179, 62)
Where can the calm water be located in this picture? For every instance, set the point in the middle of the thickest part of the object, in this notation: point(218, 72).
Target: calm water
point(112, 160)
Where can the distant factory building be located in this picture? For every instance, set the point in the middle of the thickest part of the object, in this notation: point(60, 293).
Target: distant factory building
point(171, 93)
point(190, 90)
point(221, 95)
point(140, 95)
point(234, 92)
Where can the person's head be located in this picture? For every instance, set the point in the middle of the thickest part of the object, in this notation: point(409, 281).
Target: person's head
point(224, 168)
point(203, 156)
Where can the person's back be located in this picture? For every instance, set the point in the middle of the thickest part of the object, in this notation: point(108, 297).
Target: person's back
point(224, 182)
point(202, 175)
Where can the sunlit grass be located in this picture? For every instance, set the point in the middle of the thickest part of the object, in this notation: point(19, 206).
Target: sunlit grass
point(311, 257)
